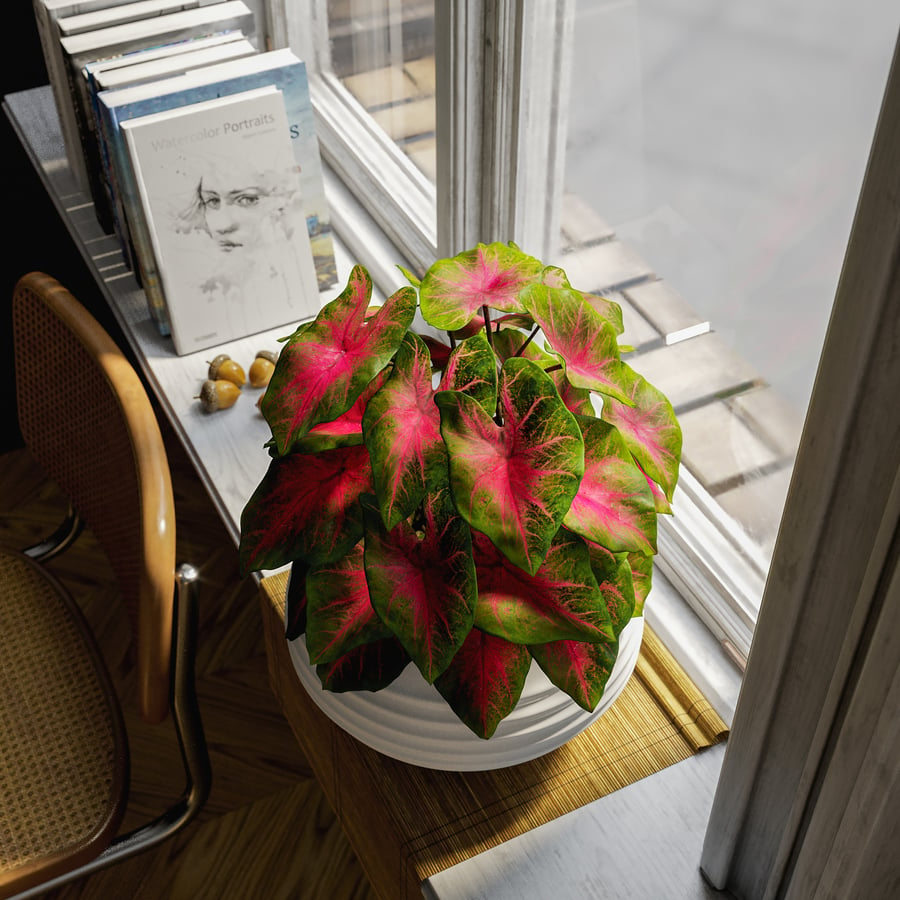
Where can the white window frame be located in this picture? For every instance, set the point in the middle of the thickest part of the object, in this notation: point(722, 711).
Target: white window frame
point(808, 800)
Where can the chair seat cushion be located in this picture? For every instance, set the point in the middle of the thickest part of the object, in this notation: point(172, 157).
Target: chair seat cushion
point(63, 753)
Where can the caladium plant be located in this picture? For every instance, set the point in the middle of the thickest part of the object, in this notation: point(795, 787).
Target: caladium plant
point(466, 479)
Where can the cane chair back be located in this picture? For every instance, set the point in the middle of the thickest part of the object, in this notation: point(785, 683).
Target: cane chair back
point(64, 768)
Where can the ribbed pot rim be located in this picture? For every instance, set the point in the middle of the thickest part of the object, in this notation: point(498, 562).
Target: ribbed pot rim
point(411, 722)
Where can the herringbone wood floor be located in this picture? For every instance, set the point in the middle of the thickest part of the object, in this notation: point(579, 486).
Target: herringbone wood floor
point(267, 830)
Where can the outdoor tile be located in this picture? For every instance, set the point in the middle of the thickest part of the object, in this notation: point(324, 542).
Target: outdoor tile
point(663, 306)
point(695, 369)
point(422, 152)
point(407, 119)
point(422, 73)
point(719, 447)
point(605, 266)
point(381, 86)
point(772, 417)
point(580, 224)
point(758, 505)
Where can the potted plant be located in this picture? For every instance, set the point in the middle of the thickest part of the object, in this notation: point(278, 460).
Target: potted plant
point(466, 478)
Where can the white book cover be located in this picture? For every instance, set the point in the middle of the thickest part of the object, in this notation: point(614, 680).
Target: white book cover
point(221, 193)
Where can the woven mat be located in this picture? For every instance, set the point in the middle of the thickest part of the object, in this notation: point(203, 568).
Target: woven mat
point(407, 823)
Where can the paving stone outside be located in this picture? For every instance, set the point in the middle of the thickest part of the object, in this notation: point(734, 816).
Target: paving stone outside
point(581, 224)
point(698, 369)
point(720, 448)
point(772, 417)
point(663, 306)
point(758, 505)
point(381, 86)
point(406, 120)
point(606, 266)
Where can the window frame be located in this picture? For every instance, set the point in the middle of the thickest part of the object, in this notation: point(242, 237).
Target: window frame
point(809, 778)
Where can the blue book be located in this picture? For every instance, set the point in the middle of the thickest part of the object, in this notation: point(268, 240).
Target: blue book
point(279, 68)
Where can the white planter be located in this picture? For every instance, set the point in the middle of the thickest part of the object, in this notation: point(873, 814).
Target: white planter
point(410, 721)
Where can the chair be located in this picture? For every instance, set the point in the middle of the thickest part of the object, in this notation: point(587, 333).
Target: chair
point(64, 766)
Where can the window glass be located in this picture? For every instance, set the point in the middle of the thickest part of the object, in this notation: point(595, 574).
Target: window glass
point(382, 51)
point(718, 149)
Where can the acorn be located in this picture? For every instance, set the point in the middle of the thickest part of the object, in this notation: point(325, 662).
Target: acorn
point(262, 367)
point(225, 368)
point(218, 394)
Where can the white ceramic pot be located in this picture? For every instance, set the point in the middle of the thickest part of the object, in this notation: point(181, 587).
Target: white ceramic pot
point(410, 721)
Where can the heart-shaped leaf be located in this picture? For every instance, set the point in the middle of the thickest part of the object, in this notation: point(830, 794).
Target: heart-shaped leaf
point(484, 681)
point(305, 507)
point(472, 369)
point(401, 427)
point(344, 431)
point(614, 505)
point(651, 432)
point(339, 614)
point(583, 338)
point(514, 482)
point(580, 669)
point(610, 310)
point(642, 578)
point(561, 601)
point(614, 579)
point(369, 667)
point(454, 290)
point(422, 583)
point(322, 370)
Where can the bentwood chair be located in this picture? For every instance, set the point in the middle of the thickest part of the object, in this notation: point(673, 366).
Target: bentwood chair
point(64, 764)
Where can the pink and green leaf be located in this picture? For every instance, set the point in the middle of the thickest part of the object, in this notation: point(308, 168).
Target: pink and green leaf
point(561, 601)
point(663, 507)
point(369, 667)
point(579, 669)
point(322, 370)
point(305, 507)
point(651, 432)
point(454, 290)
point(584, 340)
point(339, 615)
point(484, 681)
point(344, 431)
point(642, 578)
point(402, 430)
point(614, 506)
point(610, 310)
point(472, 369)
point(422, 583)
point(614, 578)
point(515, 481)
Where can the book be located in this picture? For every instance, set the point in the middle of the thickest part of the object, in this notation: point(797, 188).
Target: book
point(80, 49)
point(119, 14)
point(220, 190)
point(46, 13)
point(144, 66)
point(140, 67)
point(281, 68)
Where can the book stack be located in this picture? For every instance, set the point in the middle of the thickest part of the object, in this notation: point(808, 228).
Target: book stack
point(200, 154)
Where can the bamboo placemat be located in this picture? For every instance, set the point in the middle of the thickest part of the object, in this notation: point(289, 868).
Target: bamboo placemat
point(407, 823)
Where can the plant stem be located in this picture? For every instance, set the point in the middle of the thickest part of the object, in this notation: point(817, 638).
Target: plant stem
point(486, 313)
point(528, 340)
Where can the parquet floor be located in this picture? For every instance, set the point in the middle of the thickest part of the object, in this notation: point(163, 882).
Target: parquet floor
point(267, 830)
